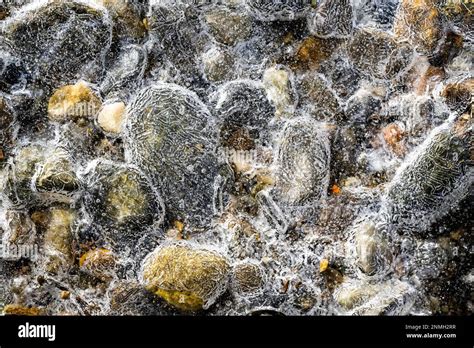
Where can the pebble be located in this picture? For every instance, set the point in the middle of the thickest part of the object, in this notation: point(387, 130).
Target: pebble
point(227, 26)
point(186, 277)
point(74, 46)
point(279, 84)
point(168, 136)
point(218, 64)
point(121, 201)
point(332, 18)
point(421, 23)
point(99, 262)
point(247, 278)
point(112, 117)
point(72, 102)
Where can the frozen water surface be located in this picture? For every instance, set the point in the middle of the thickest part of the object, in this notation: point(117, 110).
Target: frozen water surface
point(236, 157)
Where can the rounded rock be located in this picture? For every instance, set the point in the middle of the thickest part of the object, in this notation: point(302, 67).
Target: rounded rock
point(436, 176)
point(111, 117)
point(60, 39)
point(227, 26)
point(121, 200)
point(243, 104)
point(187, 277)
point(72, 102)
point(370, 50)
point(302, 163)
point(248, 278)
point(169, 135)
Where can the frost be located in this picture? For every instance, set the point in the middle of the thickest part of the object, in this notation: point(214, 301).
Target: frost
point(236, 157)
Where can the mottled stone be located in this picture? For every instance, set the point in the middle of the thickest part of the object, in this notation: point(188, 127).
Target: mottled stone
point(242, 104)
point(127, 17)
point(332, 18)
point(25, 162)
point(373, 252)
point(312, 52)
point(248, 278)
point(57, 174)
point(392, 297)
point(302, 167)
point(186, 277)
point(121, 200)
point(73, 102)
point(60, 40)
point(279, 85)
point(218, 64)
point(435, 178)
point(458, 95)
point(227, 26)
point(421, 23)
point(317, 98)
point(98, 262)
point(169, 137)
point(370, 50)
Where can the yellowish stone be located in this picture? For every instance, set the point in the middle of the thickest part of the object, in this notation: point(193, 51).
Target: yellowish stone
point(188, 278)
point(277, 84)
point(72, 102)
point(323, 265)
point(58, 236)
point(98, 262)
point(15, 309)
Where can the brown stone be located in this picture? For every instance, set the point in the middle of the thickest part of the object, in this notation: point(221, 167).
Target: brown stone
point(393, 136)
point(420, 22)
point(312, 52)
point(16, 309)
point(458, 95)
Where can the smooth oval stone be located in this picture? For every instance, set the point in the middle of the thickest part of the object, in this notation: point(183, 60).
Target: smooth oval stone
point(59, 40)
point(390, 297)
point(170, 137)
point(434, 178)
point(303, 163)
point(121, 200)
point(301, 175)
point(242, 105)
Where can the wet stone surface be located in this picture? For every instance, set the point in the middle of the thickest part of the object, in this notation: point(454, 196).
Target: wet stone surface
point(239, 157)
